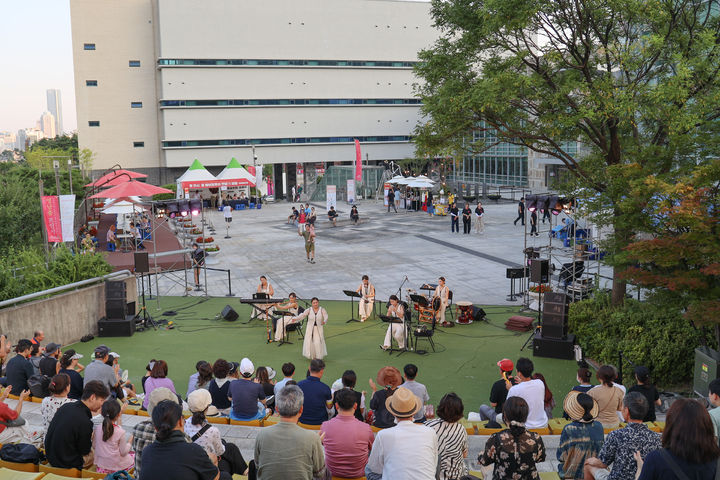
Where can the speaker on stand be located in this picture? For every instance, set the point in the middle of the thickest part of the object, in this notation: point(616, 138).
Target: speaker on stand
point(117, 321)
point(142, 266)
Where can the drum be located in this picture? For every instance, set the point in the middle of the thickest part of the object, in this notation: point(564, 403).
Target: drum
point(464, 312)
point(436, 303)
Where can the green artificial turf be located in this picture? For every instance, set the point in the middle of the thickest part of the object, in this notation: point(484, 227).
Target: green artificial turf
point(465, 361)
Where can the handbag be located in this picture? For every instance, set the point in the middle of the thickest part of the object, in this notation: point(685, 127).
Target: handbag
point(21, 453)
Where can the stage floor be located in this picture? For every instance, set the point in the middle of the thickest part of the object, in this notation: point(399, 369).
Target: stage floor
point(465, 361)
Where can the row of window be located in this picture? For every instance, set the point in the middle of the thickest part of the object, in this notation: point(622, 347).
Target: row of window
point(281, 141)
point(299, 101)
point(283, 63)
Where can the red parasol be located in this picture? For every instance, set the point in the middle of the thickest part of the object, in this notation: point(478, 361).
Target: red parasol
point(116, 177)
point(130, 188)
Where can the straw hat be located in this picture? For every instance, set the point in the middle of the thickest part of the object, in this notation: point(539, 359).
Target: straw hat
point(574, 410)
point(389, 377)
point(403, 403)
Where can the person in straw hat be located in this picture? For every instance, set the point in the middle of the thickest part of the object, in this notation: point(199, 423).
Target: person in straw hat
point(581, 439)
point(388, 380)
point(409, 451)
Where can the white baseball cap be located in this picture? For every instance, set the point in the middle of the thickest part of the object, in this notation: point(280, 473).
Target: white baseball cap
point(246, 367)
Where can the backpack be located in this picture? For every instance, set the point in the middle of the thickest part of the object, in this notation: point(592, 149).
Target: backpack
point(38, 385)
point(21, 453)
point(121, 475)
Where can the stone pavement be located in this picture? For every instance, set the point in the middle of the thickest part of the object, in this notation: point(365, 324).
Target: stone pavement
point(387, 246)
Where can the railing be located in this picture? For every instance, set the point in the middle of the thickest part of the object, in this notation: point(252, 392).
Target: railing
point(490, 179)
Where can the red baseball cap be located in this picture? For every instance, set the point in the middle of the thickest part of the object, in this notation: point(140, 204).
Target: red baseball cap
point(506, 365)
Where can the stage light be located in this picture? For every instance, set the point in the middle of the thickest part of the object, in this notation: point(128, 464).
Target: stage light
point(554, 205)
point(172, 209)
point(531, 201)
point(195, 206)
point(566, 204)
point(184, 207)
point(159, 212)
point(542, 203)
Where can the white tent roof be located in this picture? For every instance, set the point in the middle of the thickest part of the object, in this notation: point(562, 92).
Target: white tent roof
point(235, 171)
point(399, 179)
point(196, 173)
point(123, 207)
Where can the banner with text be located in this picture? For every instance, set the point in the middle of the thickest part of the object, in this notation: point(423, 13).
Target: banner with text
point(331, 197)
point(51, 218)
point(358, 161)
point(67, 217)
point(351, 190)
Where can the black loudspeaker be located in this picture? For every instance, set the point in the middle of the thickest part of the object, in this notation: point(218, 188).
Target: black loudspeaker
point(142, 262)
point(478, 314)
point(123, 327)
point(116, 308)
point(539, 270)
point(115, 290)
point(554, 347)
point(555, 315)
point(229, 314)
point(516, 272)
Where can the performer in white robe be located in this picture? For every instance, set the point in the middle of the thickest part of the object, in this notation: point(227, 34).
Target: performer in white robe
point(314, 342)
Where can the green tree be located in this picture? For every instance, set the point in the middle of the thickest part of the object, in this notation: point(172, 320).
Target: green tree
point(635, 81)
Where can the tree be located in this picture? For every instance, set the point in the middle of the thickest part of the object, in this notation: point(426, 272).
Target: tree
point(635, 81)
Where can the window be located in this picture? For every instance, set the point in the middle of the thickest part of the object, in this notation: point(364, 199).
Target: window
point(135, 104)
point(291, 101)
point(273, 141)
point(138, 144)
point(91, 83)
point(94, 123)
point(134, 63)
point(89, 46)
point(280, 63)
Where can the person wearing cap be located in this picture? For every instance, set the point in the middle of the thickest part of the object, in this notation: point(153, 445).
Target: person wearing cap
point(408, 451)
point(410, 370)
point(101, 371)
point(498, 391)
point(532, 391)
point(581, 439)
point(317, 395)
point(248, 397)
point(230, 459)
point(69, 366)
point(19, 369)
point(143, 434)
point(49, 362)
point(389, 379)
point(285, 450)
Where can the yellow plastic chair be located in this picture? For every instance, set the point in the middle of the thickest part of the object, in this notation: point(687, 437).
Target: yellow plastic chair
point(237, 476)
point(540, 431)
point(93, 473)
point(251, 423)
point(143, 413)
point(36, 399)
point(659, 426)
point(549, 476)
point(477, 474)
point(218, 420)
point(344, 478)
point(55, 476)
point(308, 427)
point(375, 429)
point(63, 472)
point(19, 467)
point(556, 425)
point(8, 474)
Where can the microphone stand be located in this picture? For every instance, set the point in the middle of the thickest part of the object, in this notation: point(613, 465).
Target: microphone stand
point(399, 295)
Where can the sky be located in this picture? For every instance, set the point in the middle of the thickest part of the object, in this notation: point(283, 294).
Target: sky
point(36, 55)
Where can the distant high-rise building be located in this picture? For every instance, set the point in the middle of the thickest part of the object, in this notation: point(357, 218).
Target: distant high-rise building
point(33, 136)
point(20, 140)
point(54, 106)
point(47, 124)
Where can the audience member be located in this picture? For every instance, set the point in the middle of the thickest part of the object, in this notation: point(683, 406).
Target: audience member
point(13, 428)
point(409, 451)
point(144, 432)
point(111, 451)
point(348, 381)
point(68, 365)
point(584, 375)
point(49, 360)
point(452, 437)
point(389, 379)
point(219, 387)
point(285, 450)
point(59, 388)
point(288, 370)
point(532, 391)
point(262, 376)
point(621, 445)
point(101, 371)
point(608, 397)
point(515, 451)
point(689, 449)
point(201, 378)
point(498, 392)
point(230, 460)
point(148, 369)
point(35, 358)
point(68, 441)
point(19, 369)
point(332, 216)
point(38, 337)
point(548, 400)
point(171, 455)
point(581, 439)
point(417, 388)
point(347, 440)
point(248, 397)
point(714, 398)
point(158, 378)
point(317, 395)
point(642, 375)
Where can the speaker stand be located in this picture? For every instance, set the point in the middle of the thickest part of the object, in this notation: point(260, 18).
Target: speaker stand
point(146, 317)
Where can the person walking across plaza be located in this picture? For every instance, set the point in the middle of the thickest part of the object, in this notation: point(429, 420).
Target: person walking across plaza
point(533, 223)
point(479, 218)
point(391, 199)
point(309, 235)
point(454, 220)
point(198, 260)
point(466, 218)
point(521, 211)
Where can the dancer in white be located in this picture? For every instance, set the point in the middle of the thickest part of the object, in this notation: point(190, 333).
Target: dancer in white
point(442, 292)
point(397, 330)
point(314, 343)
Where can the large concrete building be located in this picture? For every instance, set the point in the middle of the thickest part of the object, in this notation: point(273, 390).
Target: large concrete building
point(161, 82)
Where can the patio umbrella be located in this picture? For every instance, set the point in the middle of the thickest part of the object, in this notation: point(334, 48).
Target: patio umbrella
point(123, 207)
point(116, 177)
point(131, 188)
point(399, 179)
point(131, 199)
point(415, 183)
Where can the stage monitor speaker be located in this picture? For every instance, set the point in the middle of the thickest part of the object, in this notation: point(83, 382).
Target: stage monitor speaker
point(707, 369)
point(116, 308)
point(229, 314)
point(142, 262)
point(115, 289)
point(555, 315)
point(539, 270)
point(516, 272)
point(122, 327)
point(479, 314)
point(554, 347)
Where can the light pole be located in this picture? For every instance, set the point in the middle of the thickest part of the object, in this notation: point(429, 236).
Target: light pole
point(70, 174)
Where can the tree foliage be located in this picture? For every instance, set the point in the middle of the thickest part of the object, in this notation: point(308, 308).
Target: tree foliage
point(40, 154)
point(635, 81)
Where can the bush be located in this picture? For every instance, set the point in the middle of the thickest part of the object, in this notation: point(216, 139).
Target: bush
point(646, 333)
point(166, 196)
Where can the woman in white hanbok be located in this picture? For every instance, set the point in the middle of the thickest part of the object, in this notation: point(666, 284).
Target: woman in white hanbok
point(314, 342)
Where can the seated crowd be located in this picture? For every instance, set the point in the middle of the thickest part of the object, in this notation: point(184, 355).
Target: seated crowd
point(319, 431)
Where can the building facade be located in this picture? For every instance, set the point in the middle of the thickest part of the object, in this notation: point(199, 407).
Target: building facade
point(47, 125)
point(162, 82)
point(54, 106)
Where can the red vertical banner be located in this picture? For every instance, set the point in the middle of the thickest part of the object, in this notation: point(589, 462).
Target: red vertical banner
point(358, 161)
point(51, 217)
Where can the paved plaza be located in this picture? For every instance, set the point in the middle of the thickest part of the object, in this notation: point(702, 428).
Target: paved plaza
point(386, 246)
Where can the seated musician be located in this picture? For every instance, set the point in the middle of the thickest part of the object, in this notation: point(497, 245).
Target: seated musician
point(442, 292)
point(262, 311)
point(397, 330)
point(283, 321)
point(365, 305)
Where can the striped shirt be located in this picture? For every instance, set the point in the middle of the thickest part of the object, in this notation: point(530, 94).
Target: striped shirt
point(452, 444)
